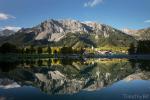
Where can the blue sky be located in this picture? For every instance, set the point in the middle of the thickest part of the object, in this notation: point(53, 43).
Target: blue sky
point(133, 14)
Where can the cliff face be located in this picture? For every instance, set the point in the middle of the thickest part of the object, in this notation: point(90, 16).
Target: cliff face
point(6, 32)
point(74, 77)
point(142, 34)
point(70, 33)
point(129, 31)
point(54, 29)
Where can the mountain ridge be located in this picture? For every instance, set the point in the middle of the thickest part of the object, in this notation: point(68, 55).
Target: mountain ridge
point(71, 33)
point(6, 32)
point(141, 34)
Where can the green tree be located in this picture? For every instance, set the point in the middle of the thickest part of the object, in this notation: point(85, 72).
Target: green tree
point(66, 50)
point(49, 62)
point(131, 49)
point(49, 49)
point(40, 62)
point(40, 50)
point(8, 48)
point(32, 49)
point(143, 47)
point(22, 50)
point(27, 50)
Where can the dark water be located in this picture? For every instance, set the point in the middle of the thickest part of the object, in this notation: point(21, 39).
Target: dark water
point(62, 79)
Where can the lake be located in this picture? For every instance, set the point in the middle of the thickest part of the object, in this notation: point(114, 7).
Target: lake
point(70, 79)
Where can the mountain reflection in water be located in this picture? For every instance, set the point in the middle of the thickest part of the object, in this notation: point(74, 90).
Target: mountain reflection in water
point(66, 76)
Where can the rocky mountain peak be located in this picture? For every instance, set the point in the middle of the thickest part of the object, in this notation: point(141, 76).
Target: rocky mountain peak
point(6, 32)
point(72, 33)
point(54, 30)
point(100, 29)
point(129, 31)
point(73, 26)
point(52, 26)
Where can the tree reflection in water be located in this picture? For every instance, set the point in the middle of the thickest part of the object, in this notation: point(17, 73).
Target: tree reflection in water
point(67, 76)
point(143, 65)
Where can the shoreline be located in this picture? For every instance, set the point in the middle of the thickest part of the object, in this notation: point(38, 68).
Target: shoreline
point(72, 56)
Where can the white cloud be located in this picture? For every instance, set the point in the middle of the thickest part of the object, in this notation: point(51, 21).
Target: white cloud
point(92, 3)
point(4, 16)
point(147, 21)
point(13, 28)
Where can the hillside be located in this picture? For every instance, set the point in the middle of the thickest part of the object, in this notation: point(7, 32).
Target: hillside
point(6, 32)
point(70, 33)
point(142, 34)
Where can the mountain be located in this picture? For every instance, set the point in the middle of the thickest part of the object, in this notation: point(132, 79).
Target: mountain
point(70, 33)
point(129, 31)
point(142, 34)
point(6, 32)
point(66, 78)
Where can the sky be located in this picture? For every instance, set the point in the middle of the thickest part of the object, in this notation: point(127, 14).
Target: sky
point(132, 14)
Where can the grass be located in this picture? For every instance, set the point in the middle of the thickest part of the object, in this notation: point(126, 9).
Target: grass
point(114, 48)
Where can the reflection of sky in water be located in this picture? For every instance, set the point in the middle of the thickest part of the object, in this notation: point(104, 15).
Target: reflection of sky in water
point(74, 79)
point(119, 91)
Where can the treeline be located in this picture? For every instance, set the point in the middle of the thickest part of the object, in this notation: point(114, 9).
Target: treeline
point(11, 48)
point(142, 47)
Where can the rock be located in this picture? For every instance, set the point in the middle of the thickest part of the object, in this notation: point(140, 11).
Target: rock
point(95, 86)
point(7, 84)
point(56, 37)
point(55, 75)
point(138, 76)
point(142, 34)
point(100, 28)
point(6, 33)
point(71, 33)
point(54, 30)
point(129, 31)
point(41, 77)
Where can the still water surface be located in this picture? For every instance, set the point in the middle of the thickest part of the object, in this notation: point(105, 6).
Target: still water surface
point(62, 79)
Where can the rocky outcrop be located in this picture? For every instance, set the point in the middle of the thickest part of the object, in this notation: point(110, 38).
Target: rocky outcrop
point(55, 75)
point(7, 84)
point(41, 77)
point(71, 33)
point(142, 34)
point(6, 33)
point(100, 28)
point(54, 30)
point(138, 76)
point(129, 31)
